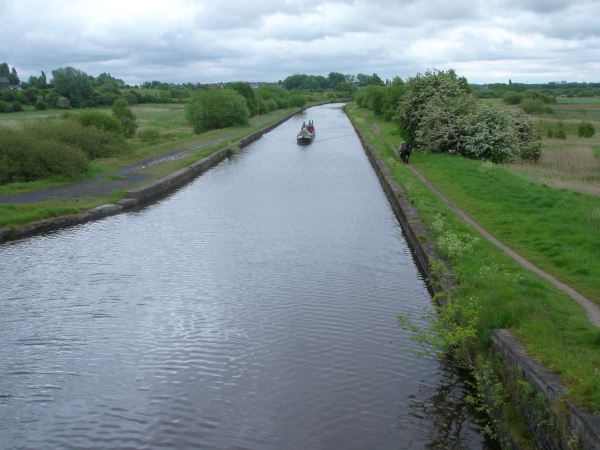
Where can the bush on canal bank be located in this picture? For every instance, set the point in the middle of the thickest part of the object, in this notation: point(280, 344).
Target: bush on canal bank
point(24, 157)
point(217, 108)
point(58, 146)
point(437, 112)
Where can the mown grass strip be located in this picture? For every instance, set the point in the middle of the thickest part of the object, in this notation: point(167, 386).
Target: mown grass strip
point(551, 326)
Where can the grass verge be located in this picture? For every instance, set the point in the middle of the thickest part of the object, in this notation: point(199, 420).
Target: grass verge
point(493, 290)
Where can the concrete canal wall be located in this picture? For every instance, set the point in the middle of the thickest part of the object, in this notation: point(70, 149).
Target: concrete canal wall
point(551, 426)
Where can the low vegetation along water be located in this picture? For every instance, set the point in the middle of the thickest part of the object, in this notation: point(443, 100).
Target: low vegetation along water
point(254, 308)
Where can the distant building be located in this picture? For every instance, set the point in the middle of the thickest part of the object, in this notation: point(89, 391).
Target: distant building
point(4, 83)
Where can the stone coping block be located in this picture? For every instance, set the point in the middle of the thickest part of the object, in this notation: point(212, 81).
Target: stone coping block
point(585, 425)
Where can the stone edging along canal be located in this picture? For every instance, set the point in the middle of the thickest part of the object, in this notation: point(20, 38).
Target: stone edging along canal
point(573, 428)
point(144, 195)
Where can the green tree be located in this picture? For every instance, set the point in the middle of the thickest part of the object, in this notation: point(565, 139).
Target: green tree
point(217, 108)
point(4, 70)
point(335, 78)
point(122, 111)
point(13, 78)
point(248, 93)
point(442, 91)
point(73, 84)
point(512, 98)
point(586, 129)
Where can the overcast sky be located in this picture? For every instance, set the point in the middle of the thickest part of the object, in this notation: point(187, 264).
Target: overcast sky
point(266, 40)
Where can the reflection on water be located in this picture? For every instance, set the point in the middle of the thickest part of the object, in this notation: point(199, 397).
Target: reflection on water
point(254, 308)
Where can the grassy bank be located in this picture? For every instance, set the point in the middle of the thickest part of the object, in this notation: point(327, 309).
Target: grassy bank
point(180, 138)
point(493, 291)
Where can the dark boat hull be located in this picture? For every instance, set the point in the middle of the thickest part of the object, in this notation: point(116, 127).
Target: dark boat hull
point(305, 137)
point(304, 140)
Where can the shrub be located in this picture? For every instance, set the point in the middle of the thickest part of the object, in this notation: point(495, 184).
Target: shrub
point(529, 141)
point(100, 120)
point(560, 134)
point(530, 151)
point(148, 134)
point(63, 102)
point(449, 91)
point(17, 106)
point(94, 142)
point(245, 90)
point(40, 104)
point(512, 98)
point(123, 113)
point(586, 129)
point(24, 157)
point(539, 95)
point(535, 106)
point(548, 110)
point(441, 128)
point(216, 108)
point(490, 134)
point(296, 100)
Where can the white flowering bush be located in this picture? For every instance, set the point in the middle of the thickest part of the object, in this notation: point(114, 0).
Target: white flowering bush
point(490, 134)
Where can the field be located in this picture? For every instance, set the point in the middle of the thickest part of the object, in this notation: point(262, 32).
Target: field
point(557, 229)
point(572, 163)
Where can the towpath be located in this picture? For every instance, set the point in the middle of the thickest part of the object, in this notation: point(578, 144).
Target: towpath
point(591, 308)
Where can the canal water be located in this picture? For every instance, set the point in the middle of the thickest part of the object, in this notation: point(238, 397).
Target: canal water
point(255, 308)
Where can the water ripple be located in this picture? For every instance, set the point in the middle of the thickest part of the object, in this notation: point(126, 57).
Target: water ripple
point(254, 309)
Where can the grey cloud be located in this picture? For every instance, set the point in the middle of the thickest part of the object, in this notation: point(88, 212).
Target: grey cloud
point(200, 41)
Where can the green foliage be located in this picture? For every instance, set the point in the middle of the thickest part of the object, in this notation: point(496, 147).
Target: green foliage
point(4, 70)
point(529, 141)
point(432, 90)
point(586, 130)
point(532, 94)
point(13, 78)
point(296, 100)
point(123, 113)
point(99, 120)
point(148, 135)
point(305, 82)
point(40, 104)
point(383, 100)
point(73, 84)
point(335, 79)
point(441, 126)
point(535, 106)
point(63, 103)
point(248, 93)
point(216, 108)
point(94, 142)
point(366, 80)
point(24, 157)
point(512, 98)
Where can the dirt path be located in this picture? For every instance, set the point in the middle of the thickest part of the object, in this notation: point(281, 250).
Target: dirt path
point(592, 310)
